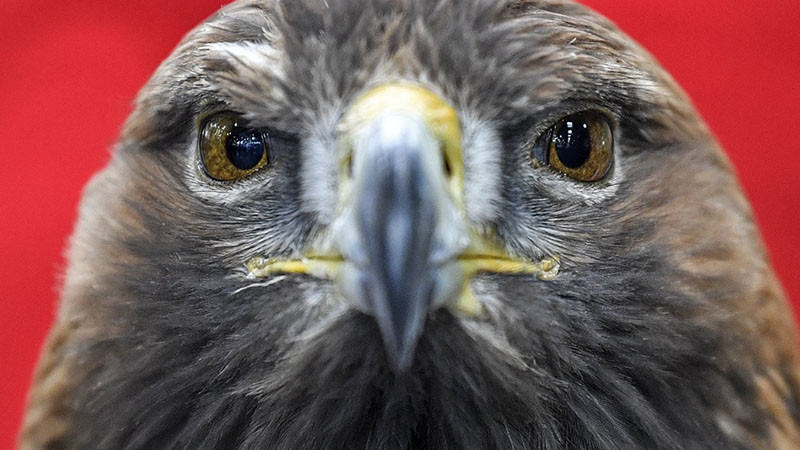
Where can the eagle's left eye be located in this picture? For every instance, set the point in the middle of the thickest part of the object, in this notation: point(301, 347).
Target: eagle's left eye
point(580, 145)
point(230, 150)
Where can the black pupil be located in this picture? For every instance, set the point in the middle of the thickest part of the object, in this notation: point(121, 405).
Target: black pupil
point(244, 147)
point(573, 143)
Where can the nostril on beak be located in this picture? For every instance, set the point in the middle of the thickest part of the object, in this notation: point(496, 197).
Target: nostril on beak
point(447, 167)
point(348, 164)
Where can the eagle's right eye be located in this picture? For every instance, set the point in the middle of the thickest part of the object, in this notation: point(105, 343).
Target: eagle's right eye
point(230, 150)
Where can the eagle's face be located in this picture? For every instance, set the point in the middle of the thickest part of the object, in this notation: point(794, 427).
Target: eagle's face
point(416, 223)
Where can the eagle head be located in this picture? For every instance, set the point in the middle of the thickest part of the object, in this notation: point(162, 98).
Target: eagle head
point(401, 224)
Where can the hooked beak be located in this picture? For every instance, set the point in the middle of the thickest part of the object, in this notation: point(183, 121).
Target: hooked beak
point(401, 233)
point(404, 245)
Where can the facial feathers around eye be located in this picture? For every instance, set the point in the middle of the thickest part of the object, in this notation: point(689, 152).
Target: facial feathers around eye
point(405, 225)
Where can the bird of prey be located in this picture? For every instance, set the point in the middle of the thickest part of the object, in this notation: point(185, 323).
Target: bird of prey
point(410, 224)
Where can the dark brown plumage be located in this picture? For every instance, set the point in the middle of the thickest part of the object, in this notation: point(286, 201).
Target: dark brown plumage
point(663, 328)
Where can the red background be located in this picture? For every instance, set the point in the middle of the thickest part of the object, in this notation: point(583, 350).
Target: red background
point(69, 71)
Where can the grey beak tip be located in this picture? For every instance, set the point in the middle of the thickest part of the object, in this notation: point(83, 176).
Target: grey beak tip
point(403, 364)
point(400, 328)
point(401, 356)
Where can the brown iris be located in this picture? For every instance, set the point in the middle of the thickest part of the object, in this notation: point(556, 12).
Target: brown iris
point(229, 149)
point(580, 145)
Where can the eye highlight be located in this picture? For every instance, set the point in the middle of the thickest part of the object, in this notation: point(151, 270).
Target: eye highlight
point(230, 150)
point(580, 146)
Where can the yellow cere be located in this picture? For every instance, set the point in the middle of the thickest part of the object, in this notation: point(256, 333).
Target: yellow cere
point(437, 114)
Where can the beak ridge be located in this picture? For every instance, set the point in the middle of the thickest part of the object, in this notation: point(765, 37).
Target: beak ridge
point(397, 211)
